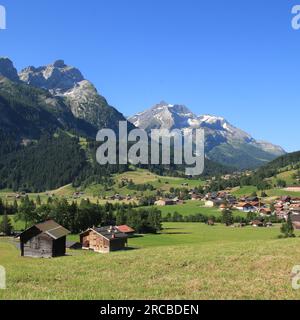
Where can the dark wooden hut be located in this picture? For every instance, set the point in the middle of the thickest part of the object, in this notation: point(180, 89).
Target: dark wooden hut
point(44, 240)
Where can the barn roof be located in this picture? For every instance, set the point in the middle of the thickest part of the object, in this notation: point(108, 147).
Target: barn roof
point(125, 229)
point(51, 228)
point(110, 233)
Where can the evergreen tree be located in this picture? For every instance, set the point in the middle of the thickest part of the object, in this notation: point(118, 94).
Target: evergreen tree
point(227, 218)
point(287, 228)
point(5, 225)
point(121, 217)
point(26, 211)
point(1, 207)
point(38, 200)
point(15, 207)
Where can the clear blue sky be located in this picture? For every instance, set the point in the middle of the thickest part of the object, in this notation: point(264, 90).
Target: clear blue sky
point(233, 58)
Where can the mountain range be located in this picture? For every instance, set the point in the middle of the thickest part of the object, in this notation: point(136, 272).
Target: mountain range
point(50, 116)
point(225, 143)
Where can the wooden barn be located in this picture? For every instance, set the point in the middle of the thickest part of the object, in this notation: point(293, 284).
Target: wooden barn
point(44, 240)
point(103, 240)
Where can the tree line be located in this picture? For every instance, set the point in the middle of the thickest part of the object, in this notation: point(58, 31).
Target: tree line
point(79, 217)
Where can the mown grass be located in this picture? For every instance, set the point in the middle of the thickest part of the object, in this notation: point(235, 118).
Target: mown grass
point(287, 176)
point(275, 192)
point(188, 261)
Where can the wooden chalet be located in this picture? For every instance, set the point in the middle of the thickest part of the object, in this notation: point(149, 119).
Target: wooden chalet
point(165, 202)
point(103, 240)
point(44, 240)
point(245, 207)
point(265, 211)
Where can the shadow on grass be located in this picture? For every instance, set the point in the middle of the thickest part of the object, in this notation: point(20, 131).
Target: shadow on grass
point(176, 233)
point(131, 248)
point(136, 236)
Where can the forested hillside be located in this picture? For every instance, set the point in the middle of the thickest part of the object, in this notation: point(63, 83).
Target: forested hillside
point(291, 160)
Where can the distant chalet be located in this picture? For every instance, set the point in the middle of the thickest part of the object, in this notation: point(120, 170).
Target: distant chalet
point(103, 240)
point(165, 202)
point(44, 240)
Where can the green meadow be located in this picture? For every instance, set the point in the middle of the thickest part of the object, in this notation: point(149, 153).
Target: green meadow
point(190, 207)
point(185, 261)
point(275, 192)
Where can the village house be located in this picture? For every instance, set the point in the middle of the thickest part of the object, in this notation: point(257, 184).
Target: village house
point(245, 207)
point(226, 177)
point(282, 214)
point(195, 197)
point(265, 212)
point(44, 240)
point(223, 207)
point(257, 223)
point(257, 205)
point(126, 229)
point(295, 208)
point(295, 201)
point(296, 221)
point(209, 204)
point(103, 240)
point(231, 199)
point(285, 199)
point(164, 202)
point(286, 205)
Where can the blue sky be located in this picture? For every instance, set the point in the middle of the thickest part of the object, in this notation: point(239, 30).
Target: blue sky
point(233, 58)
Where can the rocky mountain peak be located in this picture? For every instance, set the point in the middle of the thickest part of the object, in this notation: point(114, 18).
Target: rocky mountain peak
point(8, 70)
point(83, 99)
point(59, 64)
point(57, 77)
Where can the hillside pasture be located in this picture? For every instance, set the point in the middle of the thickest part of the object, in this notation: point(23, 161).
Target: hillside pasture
point(186, 261)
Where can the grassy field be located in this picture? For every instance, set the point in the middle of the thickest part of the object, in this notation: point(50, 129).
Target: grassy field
point(187, 261)
point(248, 190)
point(287, 176)
point(190, 207)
